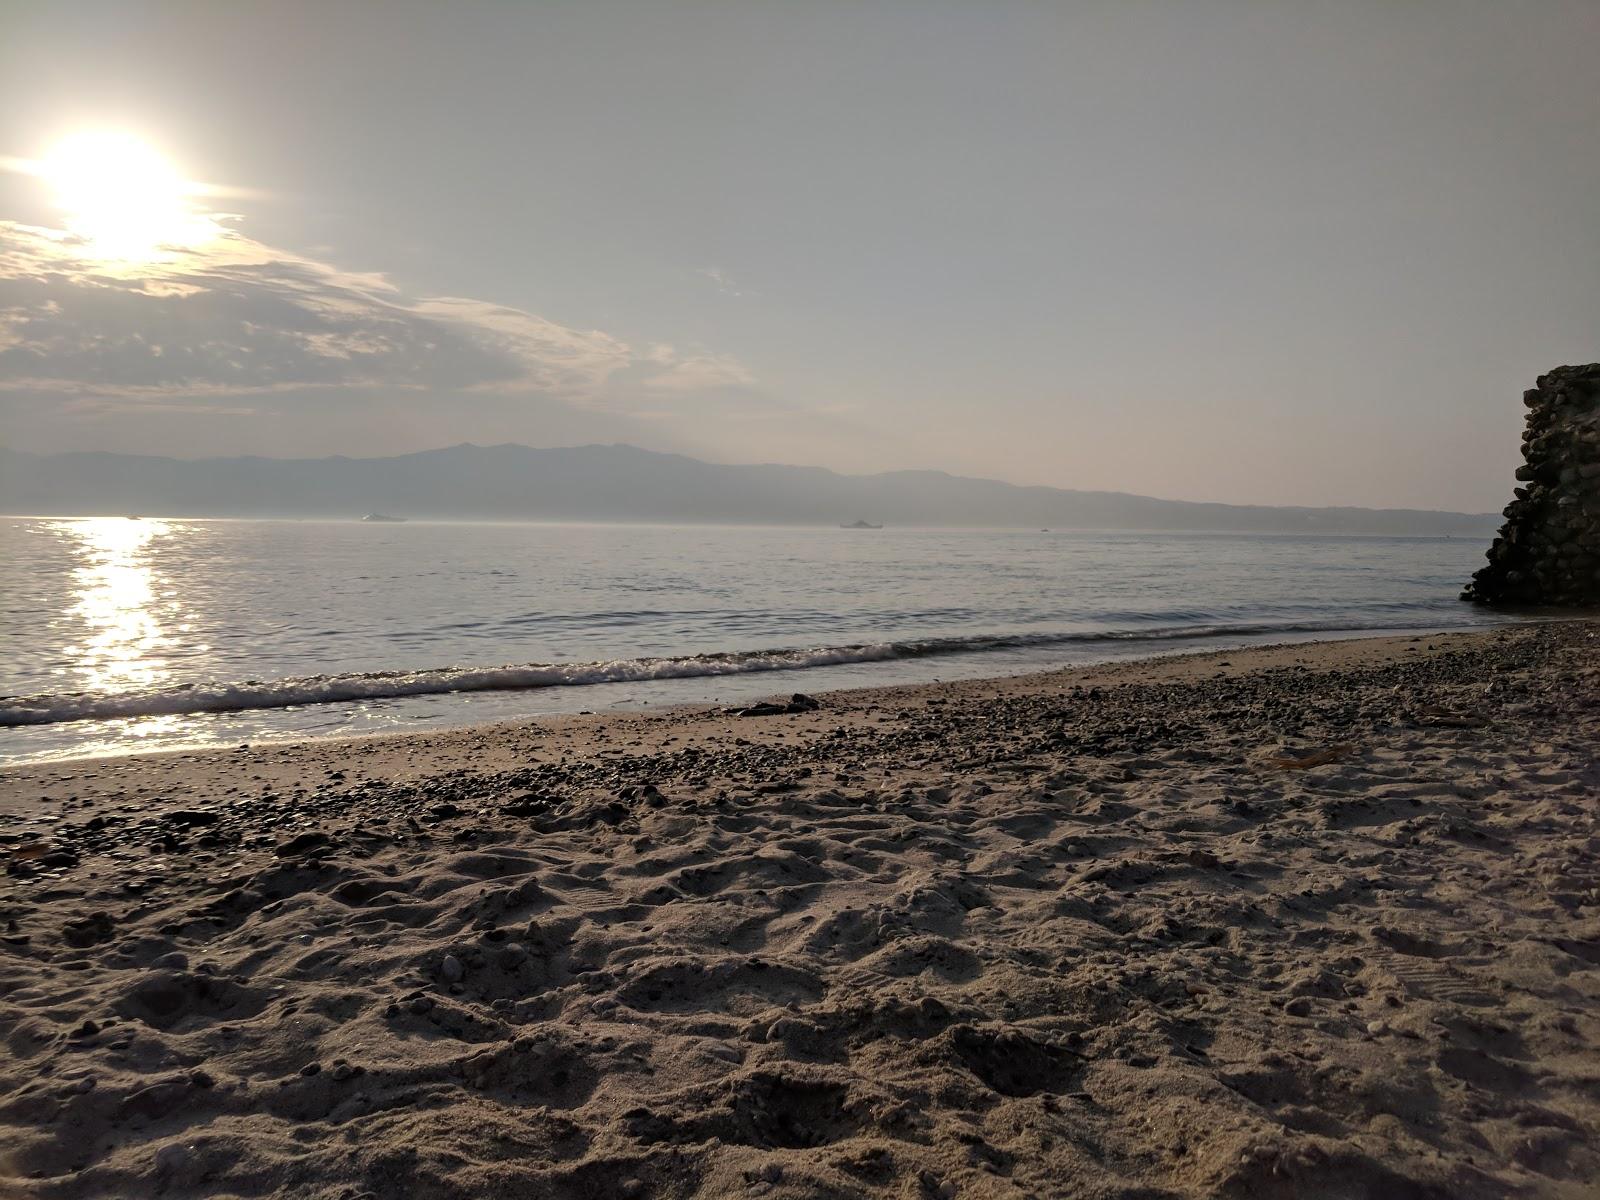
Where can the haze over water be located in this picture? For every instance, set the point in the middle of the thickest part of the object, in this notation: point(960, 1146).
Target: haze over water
point(123, 635)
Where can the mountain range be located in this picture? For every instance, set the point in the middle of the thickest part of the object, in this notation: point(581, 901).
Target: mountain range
point(625, 483)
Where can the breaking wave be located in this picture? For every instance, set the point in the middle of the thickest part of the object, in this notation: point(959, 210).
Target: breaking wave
point(49, 709)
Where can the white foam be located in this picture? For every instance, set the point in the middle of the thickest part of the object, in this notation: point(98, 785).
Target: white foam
point(51, 709)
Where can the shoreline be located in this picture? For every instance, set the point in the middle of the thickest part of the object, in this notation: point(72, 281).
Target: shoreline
point(1266, 652)
point(1319, 918)
point(979, 657)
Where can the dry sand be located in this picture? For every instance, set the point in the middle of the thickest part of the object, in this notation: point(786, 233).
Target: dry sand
point(1304, 921)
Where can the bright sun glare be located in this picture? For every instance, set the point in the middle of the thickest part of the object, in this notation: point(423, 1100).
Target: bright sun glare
point(123, 197)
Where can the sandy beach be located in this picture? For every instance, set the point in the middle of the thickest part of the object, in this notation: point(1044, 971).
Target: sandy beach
point(1318, 920)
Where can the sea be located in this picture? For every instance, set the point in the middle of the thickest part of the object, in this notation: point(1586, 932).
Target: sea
point(125, 634)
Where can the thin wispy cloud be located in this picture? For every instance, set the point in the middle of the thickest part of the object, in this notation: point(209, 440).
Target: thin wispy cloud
point(695, 371)
point(723, 281)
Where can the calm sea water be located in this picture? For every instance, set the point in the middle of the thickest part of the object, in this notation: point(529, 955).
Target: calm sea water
point(119, 635)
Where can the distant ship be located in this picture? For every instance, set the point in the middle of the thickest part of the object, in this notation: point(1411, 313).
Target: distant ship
point(383, 517)
point(860, 525)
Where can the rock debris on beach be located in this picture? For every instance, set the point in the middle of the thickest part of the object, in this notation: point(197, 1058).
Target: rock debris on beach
point(1310, 921)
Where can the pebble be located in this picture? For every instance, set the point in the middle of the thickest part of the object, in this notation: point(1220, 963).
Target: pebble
point(306, 843)
point(173, 1158)
point(451, 970)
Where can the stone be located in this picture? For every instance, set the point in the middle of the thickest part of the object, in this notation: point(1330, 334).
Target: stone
point(765, 709)
point(306, 843)
point(190, 818)
point(172, 1158)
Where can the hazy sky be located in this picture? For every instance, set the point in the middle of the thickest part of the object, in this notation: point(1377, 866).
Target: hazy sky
point(1255, 252)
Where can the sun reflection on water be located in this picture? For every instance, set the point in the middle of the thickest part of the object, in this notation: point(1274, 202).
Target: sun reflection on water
point(121, 603)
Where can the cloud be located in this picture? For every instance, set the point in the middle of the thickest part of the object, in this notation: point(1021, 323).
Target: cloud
point(236, 317)
point(723, 281)
point(699, 372)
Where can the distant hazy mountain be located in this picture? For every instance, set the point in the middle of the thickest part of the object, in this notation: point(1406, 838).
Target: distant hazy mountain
point(623, 483)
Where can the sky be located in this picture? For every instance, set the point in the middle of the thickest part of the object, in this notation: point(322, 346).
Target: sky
point(1243, 252)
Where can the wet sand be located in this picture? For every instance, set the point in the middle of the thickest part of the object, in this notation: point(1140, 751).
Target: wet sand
point(1313, 920)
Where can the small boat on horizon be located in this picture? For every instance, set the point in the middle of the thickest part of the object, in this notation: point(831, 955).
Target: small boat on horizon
point(859, 524)
point(383, 518)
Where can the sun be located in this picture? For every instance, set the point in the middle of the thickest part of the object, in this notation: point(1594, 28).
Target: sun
point(123, 197)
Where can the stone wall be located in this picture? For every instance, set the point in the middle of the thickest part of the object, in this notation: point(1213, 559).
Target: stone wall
point(1548, 551)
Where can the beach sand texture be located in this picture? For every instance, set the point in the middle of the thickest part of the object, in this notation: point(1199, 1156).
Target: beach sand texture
point(1310, 921)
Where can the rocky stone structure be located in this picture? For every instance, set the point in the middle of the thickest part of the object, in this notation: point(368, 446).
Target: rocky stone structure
point(1548, 551)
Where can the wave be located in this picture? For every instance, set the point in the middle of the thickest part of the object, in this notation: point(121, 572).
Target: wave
point(50, 709)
